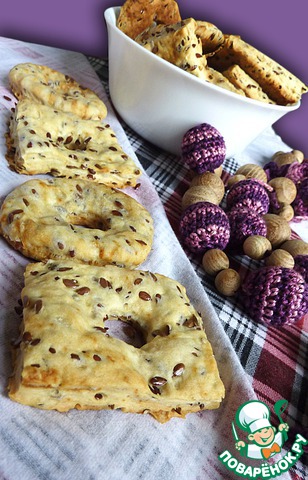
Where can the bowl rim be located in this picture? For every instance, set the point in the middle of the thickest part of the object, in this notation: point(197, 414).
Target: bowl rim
point(111, 14)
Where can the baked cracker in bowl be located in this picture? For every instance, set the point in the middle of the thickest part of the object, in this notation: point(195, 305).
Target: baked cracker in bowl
point(161, 101)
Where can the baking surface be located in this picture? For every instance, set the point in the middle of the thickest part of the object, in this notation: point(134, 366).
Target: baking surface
point(254, 361)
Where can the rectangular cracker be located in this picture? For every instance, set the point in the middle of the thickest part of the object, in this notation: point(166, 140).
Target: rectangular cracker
point(67, 358)
point(236, 75)
point(176, 43)
point(137, 15)
point(278, 83)
point(210, 35)
point(44, 140)
point(217, 78)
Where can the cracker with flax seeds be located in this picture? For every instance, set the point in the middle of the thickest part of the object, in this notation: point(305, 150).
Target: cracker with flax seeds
point(240, 79)
point(67, 359)
point(45, 85)
point(278, 83)
point(44, 140)
point(137, 15)
point(78, 220)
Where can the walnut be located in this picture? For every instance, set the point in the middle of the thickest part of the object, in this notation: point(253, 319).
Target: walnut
point(280, 258)
point(228, 282)
point(214, 261)
point(257, 247)
point(250, 170)
point(295, 247)
point(285, 190)
point(278, 229)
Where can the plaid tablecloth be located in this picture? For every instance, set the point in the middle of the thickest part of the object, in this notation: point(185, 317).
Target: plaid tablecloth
point(274, 359)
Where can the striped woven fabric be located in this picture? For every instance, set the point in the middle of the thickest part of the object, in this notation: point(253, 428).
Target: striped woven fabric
point(274, 359)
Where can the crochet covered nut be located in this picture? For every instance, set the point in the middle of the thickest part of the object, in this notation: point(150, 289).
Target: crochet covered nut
point(276, 296)
point(243, 224)
point(203, 148)
point(300, 204)
point(273, 170)
point(301, 266)
point(204, 226)
point(251, 194)
point(297, 172)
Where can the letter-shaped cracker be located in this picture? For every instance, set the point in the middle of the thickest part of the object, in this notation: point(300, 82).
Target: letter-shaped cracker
point(44, 140)
point(78, 219)
point(67, 359)
point(50, 87)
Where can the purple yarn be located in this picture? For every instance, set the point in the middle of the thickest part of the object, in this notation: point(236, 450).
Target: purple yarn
point(204, 226)
point(243, 224)
point(273, 170)
point(300, 204)
point(203, 148)
point(251, 194)
point(275, 295)
point(301, 266)
point(297, 171)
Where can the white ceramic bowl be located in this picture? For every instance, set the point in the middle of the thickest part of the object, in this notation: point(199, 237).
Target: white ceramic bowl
point(161, 102)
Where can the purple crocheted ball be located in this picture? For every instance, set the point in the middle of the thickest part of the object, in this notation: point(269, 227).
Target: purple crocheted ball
point(203, 148)
point(204, 226)
point(243, 224)
point(300, 204)
point(301, 266)
point(297, 172)
point(273, 170)
point(275, 295)
point(251, 194)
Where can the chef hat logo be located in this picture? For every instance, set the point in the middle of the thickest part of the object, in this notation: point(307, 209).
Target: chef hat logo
point(253, 416)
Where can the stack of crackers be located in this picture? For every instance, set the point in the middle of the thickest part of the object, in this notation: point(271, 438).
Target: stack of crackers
point(202, 49)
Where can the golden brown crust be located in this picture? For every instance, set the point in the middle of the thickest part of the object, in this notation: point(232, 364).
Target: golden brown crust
point(236, 75)
point(66, 359)
point(137, 15)
point(44, 140)
point(45, 85)
point(278, 83)
point(211, 37)
point(177, 43)
point(78, 219)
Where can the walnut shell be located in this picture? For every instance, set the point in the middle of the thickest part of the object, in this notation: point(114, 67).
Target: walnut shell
point(228, 282)
point(256, 247)
point(278, 229)
point(207, 187)
point(285, 190)
point(211, 181)
point(299, 155)
point(285, 158)
point(214, 261)
point(286, 212)
point(295, 247)
point(235, 179)
point(280, 258)
point(250, 170)
point(199, 193)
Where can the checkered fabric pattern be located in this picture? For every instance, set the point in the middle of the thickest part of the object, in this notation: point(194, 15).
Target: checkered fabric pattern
point(274, 359)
